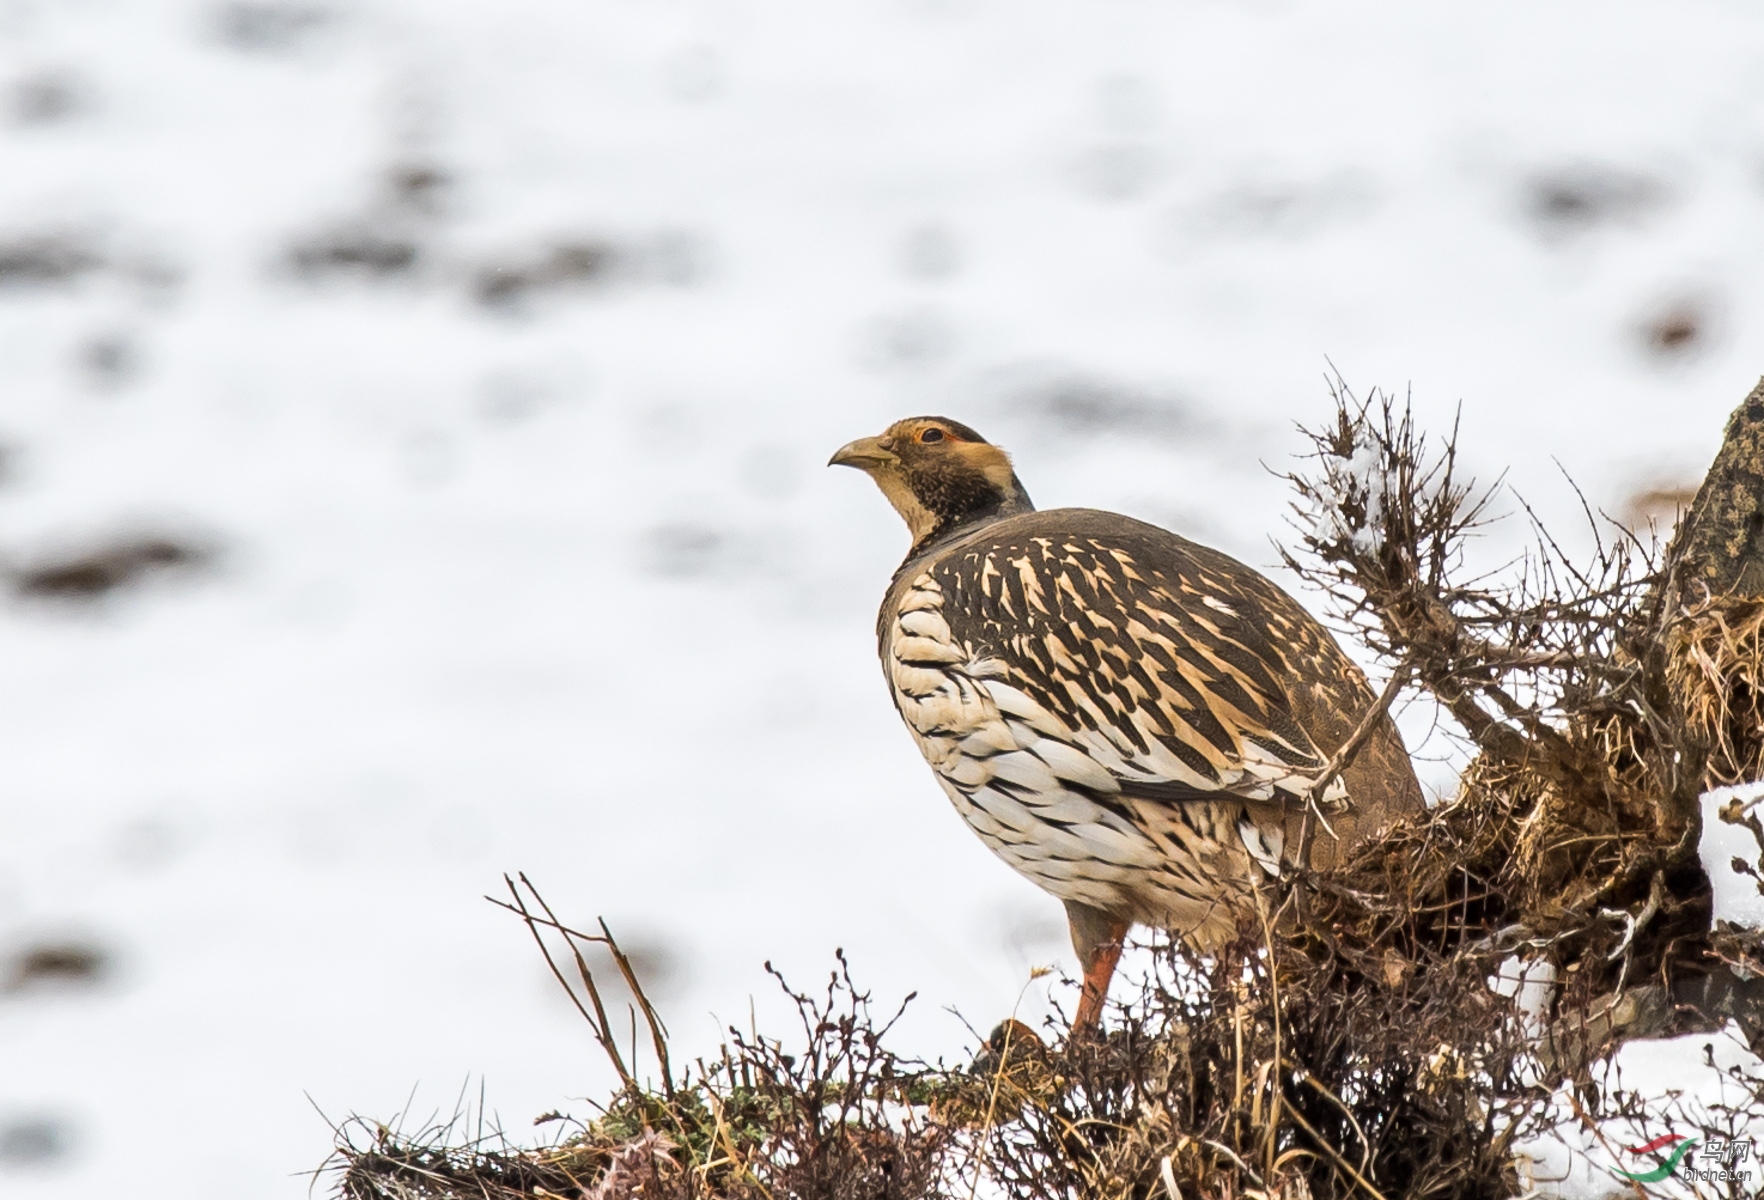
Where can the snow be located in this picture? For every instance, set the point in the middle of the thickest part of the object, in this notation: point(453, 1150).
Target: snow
point(1531, 983)
point(1732, 838)
point(557, 583)
point(1362, 480)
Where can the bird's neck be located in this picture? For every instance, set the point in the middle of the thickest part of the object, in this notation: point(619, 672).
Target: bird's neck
point(950, 526)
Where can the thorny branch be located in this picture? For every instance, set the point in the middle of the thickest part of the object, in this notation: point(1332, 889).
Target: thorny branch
point(1383, 519)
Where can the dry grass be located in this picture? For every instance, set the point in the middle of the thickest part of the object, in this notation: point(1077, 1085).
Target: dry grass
point(1716, 676)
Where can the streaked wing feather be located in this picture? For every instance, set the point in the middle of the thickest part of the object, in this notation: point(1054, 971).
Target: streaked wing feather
point(1145, 654)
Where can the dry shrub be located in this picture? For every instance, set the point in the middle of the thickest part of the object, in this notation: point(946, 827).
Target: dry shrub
point(1276, 1069)
point(1602, 698)
point(1586, 775)
point(838, 1116)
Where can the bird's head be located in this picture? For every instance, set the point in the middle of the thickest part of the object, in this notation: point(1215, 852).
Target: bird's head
point(939, 475)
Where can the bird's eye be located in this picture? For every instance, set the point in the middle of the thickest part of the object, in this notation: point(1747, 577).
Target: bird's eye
point(931, 435)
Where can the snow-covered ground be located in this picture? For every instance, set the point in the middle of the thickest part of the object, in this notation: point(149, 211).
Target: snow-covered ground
point(496, 348)
point(1688, 1105)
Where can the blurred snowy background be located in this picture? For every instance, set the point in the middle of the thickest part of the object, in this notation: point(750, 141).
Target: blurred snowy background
point(412, 418)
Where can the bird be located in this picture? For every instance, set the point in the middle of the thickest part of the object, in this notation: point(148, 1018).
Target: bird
point(1132, 720)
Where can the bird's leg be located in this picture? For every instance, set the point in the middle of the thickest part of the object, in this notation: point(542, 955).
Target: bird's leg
point(1097, 973)
point(1097, 938)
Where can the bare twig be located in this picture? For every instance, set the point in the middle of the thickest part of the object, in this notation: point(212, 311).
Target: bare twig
point(597, 1021)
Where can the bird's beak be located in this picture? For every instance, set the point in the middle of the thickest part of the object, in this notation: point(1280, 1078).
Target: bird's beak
point(865, 454)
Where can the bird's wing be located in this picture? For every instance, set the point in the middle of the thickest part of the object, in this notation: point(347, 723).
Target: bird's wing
point(1157, 661)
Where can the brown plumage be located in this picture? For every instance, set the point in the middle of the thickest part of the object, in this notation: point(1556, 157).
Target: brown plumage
point(1129, 719)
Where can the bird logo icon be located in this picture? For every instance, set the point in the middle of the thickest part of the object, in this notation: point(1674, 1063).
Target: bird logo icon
point(1681, 1146)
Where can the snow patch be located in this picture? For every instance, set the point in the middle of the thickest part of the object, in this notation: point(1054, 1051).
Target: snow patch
point(1532, 986)
point(1732, 850)
point(1361, 480)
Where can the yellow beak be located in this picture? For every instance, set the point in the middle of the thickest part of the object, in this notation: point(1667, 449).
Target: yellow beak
point(864, 454)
